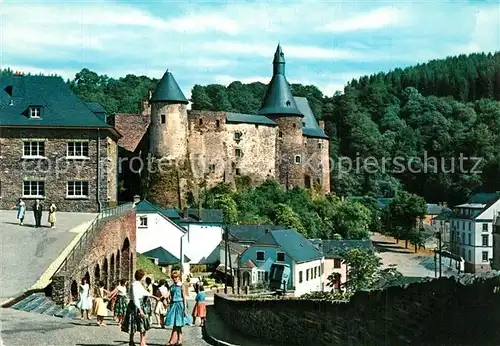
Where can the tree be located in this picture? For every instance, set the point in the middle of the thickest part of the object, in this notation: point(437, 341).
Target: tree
point(229, 209)
point(283, 214)
point(362, 267)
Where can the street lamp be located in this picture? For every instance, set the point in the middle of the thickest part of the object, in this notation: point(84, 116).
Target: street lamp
point(438, 236)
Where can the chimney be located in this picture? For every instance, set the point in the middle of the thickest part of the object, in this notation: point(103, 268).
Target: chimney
point(137, 199)
point(185, 213)
point(321, 124)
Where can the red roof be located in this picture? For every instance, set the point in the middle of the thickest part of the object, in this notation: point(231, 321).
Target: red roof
point(132, 127)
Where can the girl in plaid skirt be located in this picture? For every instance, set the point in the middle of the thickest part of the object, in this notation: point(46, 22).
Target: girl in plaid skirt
point(138, 311)
point(121, 301)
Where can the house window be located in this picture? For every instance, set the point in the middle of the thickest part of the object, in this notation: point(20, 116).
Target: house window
point(300, 277)
point(217, 123)
point(307, 275)
point(470, 226)
point(485, 256)
point(200, 121)
point(35, 112)
point(298, 159)
point(260, 255)
point(143, 222)
point(485, 240)
point(336, 263)
point(78, 149)
point(470, 238)
point(280, 256)
point(315, 272)
point(237, 136)
point(34, 149)
point(163, 119)
point(463, 238)
point(78, 189)
point(211, 168)
point(485, 227)
point(32, 189)
point(238, 171)
point(237, 152)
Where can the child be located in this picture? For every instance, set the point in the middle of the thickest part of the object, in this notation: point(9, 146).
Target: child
point(161, 306)
point(200, 308)
point(100, 309)
point(84, 299)
point(121, 301)
point(177, 315)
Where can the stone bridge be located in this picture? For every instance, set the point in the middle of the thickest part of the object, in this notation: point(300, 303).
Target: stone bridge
point(105, 252)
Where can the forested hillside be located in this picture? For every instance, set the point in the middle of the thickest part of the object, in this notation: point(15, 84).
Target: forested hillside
point(442, 110)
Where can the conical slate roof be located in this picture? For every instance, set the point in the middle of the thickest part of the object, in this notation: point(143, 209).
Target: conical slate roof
point(279, 99)
point(168, 90)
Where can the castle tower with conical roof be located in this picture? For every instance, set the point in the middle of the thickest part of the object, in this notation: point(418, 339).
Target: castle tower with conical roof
point(169, 166)
point(279, 105)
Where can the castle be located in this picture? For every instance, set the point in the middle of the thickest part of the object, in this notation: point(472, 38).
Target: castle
point(191, 149)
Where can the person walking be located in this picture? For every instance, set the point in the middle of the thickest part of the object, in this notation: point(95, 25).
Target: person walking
point(52, 215)
point(21, 210)
point(84, 300)
point(177, 315)
point(37, 212)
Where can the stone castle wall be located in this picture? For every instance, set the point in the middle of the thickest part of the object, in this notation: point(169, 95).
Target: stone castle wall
point(110, 257)
point(168, 131)
point(56, 169)
point(439, 312)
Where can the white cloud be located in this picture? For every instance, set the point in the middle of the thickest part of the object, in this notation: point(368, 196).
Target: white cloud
point(375, 19)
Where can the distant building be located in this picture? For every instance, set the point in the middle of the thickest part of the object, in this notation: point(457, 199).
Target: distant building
point(496, 243)
point(289, 247)
point(334, 252)
point(54, 146)
point(471, 230)
point(164, 259)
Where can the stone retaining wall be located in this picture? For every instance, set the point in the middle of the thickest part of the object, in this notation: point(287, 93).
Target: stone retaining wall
point(444, 311)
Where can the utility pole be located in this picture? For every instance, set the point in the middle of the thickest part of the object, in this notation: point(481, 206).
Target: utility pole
point(227, 255)
point(440, 250)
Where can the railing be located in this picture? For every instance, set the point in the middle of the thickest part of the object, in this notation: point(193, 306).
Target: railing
point(78, 251)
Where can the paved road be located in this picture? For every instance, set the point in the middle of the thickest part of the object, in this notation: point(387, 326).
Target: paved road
point(24, 328)
point(26, 252)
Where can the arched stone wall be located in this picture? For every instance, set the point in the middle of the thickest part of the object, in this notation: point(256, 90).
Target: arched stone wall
point(105, 272)
point(118, 265)
point(112, 278)
point(125, 257)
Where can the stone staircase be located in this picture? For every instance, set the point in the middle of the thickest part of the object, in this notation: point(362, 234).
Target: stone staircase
point(41, 304)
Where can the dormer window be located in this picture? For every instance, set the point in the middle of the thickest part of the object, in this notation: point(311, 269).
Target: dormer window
point(35, 112)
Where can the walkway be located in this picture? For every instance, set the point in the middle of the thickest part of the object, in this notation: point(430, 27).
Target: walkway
point(28, 252)
point(24, 328)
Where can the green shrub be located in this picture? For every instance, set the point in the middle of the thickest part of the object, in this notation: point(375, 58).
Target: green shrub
point(326, 296)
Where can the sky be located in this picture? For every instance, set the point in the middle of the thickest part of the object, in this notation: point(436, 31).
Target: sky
point(326, 43)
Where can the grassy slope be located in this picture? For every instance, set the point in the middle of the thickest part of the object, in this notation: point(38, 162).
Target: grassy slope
point(149, 267)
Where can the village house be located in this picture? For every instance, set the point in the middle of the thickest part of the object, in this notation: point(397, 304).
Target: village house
point(287, 246)
point(54, 147)
point(472, 230)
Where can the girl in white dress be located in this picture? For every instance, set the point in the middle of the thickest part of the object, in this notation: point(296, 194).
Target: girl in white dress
point(84, 300)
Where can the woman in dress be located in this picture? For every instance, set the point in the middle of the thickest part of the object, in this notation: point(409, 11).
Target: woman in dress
point(121, 301)
point(52, 215)
point(21, 210)
point(136, 317)
point(84, 300)
point(161, 307)
point(100, 309)
point(177, 315)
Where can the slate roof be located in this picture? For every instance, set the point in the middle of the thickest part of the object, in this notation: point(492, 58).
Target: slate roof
point(168, 90)
point(300, 249)
point(213, 216)
point(239, 118)
point(164, 257)
point(250, 233)
point(337, 248)
point(60, 107)
point(133, 127)
point(95, 107)
point(279, 99)
point(433, 209)
point(445, 215)
point(480, 202)
point(145, 206)
point(311, 127)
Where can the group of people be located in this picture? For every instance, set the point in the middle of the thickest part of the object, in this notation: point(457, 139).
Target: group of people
point(133, 310)
point(37, 213)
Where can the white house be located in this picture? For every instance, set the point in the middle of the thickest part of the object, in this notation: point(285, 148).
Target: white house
point(204, 233)
point(471, 230)
point(289, 247)
point(154, 229)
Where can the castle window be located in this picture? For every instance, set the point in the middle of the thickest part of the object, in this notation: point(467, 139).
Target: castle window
point(163, 119)
point(217, 123)
point(237, 136)
point(33, 188)
point(320, 145)
point(298, 159)
point(35, 112)
point(200, 122)
point(238, 152)
point(280, 134)
point(294, 125)
point(256, 126)
point(238, 171)
point(211, 168)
